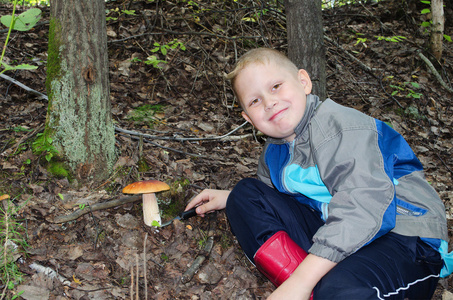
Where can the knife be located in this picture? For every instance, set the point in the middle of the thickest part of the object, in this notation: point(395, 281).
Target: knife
point(182, 216)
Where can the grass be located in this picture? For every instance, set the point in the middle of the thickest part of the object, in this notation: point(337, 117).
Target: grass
point(12, 243)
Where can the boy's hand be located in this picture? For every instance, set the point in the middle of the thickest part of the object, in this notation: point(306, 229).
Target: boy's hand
point(210, 201)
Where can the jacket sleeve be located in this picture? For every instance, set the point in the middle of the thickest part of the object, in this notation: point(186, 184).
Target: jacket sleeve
point(351, 166)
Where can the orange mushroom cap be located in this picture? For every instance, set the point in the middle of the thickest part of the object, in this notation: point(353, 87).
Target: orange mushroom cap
point(4, 197)
point(145, 187)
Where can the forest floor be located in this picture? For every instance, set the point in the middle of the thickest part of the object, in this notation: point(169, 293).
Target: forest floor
point(373, 65)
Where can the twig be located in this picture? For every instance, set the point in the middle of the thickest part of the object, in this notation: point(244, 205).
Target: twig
point(98, 206)
point(40, 95)
point(132, 282)
point(434, 71)
point(225, 137)
point(173, 149)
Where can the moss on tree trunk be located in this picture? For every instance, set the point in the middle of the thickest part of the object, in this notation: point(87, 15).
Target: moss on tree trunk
point(79, 113)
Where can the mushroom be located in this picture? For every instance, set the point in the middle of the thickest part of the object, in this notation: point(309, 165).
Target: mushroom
point(4, 197)
point(147, 189)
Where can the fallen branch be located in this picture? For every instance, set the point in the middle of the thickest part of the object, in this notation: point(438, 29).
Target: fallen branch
point(49, 272)
point(188, 275)
point(434, 71)
point(225, 137)
point(98, 206)
point(40, 95)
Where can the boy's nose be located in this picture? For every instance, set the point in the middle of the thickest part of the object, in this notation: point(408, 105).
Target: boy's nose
point(270, 103)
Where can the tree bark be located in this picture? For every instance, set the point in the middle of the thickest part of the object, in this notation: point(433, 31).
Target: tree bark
point(437, 32)
point(79, 120)
point(306, 42)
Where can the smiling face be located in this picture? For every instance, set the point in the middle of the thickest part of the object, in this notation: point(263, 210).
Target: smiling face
point(273, 98)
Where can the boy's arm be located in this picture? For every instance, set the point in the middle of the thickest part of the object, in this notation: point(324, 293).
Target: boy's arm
point(301, 283)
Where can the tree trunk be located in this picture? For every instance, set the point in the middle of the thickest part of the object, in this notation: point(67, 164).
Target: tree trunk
point(79, 120)
point(306, 40)
point(437, 32)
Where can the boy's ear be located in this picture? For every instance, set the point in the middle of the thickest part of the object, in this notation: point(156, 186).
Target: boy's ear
point(246, 117)
point(304, 78)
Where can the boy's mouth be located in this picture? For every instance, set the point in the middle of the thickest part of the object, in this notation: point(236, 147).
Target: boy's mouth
point(277, 114)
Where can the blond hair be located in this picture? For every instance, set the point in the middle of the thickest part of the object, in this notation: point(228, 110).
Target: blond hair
point(260, 56)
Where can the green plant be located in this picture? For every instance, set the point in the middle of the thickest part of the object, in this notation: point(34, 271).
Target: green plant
point(118, 12)
point(256, 16)
point(171, 45)
point(406, 88)
point(393, 39)
point(145, 113)
point(164, 257)
point(204, 238)
point(58, 169)
point(23, 22)
point(44, 144)
point(152, 60)
point(360, 40)
point(12, 243)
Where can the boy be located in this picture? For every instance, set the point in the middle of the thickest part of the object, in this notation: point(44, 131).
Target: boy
point(336, 184)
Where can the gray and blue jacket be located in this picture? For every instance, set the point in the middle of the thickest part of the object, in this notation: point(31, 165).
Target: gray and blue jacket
point(360, 175)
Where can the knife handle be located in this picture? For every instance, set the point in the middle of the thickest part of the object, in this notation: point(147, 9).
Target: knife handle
point(188, 214)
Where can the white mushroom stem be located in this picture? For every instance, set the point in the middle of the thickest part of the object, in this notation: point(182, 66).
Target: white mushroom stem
point(150, 209)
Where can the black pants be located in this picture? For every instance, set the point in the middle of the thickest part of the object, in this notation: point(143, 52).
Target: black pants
point(391, 267)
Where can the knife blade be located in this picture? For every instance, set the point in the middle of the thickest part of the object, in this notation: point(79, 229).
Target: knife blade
point(182, 216)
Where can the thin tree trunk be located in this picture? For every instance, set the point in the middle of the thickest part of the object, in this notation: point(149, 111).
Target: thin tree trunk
point(437, 33)
point(79, 115)
point(306, 42)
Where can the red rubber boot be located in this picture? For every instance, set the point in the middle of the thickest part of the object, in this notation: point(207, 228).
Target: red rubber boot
point(278, 257)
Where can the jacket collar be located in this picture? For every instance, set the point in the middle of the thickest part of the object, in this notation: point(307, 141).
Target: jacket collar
point(312, 105)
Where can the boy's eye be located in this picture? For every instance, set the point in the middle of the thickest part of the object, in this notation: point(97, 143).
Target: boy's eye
point(254, 101)
point(275, 87)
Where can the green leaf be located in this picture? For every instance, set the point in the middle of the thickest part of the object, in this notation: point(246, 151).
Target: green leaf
point(425, 11)
point(425, 2)
point(447, 37)
point(129, 12)
point(23, 22)
point(25, 67)
point(6, 66)
point(155, 223)
point(61, 196)
point(426, 24)
point(415, 85)
point(10, 285)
